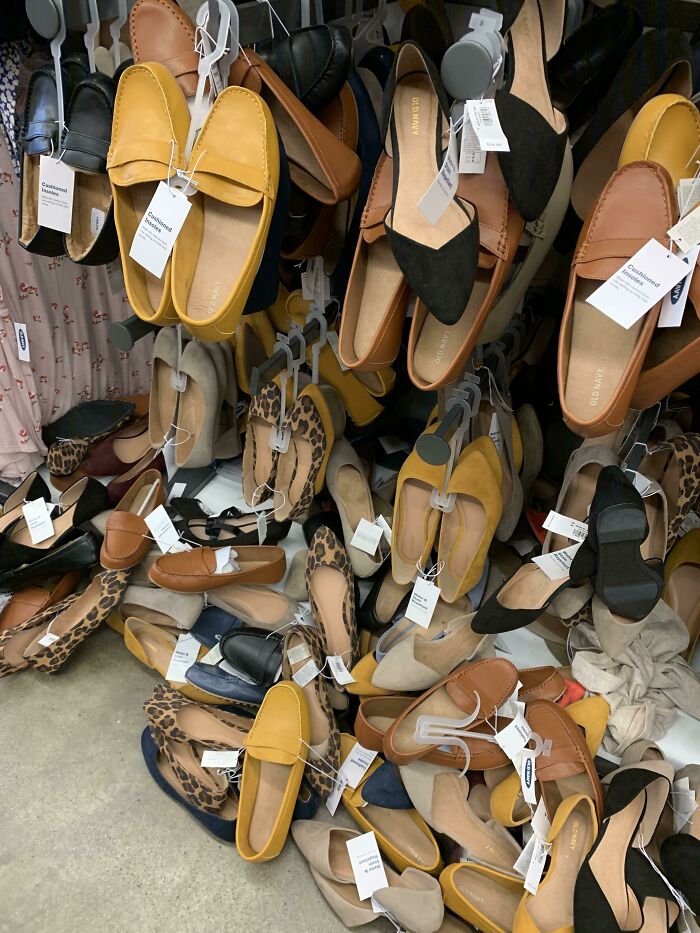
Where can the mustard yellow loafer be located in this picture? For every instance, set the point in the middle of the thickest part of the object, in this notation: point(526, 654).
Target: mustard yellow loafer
point(666, 131)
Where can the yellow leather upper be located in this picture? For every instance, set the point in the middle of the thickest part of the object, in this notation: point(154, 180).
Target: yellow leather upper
point(666, 131)
point(280, 725)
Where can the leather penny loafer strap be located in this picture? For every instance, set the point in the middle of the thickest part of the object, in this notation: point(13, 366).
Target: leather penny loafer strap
point(90, 145)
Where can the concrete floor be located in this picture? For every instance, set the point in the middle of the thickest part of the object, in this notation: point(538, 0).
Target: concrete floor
point(89, 843)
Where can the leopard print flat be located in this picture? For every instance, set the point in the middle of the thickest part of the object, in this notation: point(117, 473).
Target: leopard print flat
point(675, 465)
point(66, 454)
point(181, 720)
point(304, 643)
point(55, 643)
point(259, 459)
point(14, 641)
point(331, 587)
point(205, 788)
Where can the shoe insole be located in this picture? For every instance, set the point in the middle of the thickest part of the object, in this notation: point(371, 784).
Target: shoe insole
point(488, 897)
point(659, 915)
point(270, 789)
point(138, 467)
point(683, 588)
point(146, 286)
point(11, 517)
point(577, 500)
point(229, 811)
point(185, 755)
point(354, 495)
point(654, 545)
point(439, 344)
point(530, 588)
point(382, 279)
point(217, 229)
point(552, 908)
point(198, 530)
point(380, 723)
point(402, 831)
point(530, 82)
point(599, 353)
point(453, 815)
point(294, 469)
point(156, 644)
point(127, 610)
point(130, 449)
point(259, 436)
point(320, 732)
point(163, 403)
point(30, 198)
point(71, 616)
point(608, 864)
point(389, 598)
point(328, 588)
point(553, 19)
point(15, 647)
point(461, 533)
point(416, 114)
point(144, 499)
point(200, 725)
point(258, 604)
point(192, 406)
point(90, 192)
point(416, 519)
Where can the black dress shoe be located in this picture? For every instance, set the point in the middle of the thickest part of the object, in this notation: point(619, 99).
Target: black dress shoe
point(79, 554)
point(79, 503)
point(584, 67)
point(93, 240)
point(40, 136)
point(88, 420)
point(254, 652)
point(680, 860)
point(384, 602)
point(313, 62)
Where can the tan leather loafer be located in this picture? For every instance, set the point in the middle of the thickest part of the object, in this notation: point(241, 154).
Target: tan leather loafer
point(161, 31)
point(127, 540)
point(195, 571)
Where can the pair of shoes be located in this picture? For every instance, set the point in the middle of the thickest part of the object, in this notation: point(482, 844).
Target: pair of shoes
point(70, 437)
point(412, 899)
point(231, 209)
point(203, 414)
point(465, 533)
point(48, 640)
point(296, 475)
point(197, 526)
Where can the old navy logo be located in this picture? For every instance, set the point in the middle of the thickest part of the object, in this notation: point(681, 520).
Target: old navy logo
point(22, 340)
point(528, 772)
point(415, 117)
point(677, 290)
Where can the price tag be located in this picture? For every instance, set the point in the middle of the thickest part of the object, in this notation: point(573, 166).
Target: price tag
point(557, 564)
point(484, 119)
point(496, 434)
point(423, 601)
point(169, 457)
point(472, 158)
point(688, 194)
point(673, 305)
point(97, 220)
point(515, 736)
point(692, 520)
point(176, 491)
point(162, 529)
point(306, 673)
point(213, 656)
point(568, 527)
point(333, 798)
point(22, 338)
point(261, 523)
point(536, 866)
point(38, 519)
point(640, 284)
point(56, 181)
point(384, 525)
point(159, 228)
point(686, 233)
point(367, 865)
point(367, 537)
point(298, 653)
point(357, 764)
point(220, 758)
point(225, 562)
point(339, 671)
point(184, 656)
point(115, 274)
point(48, 639)
point(437, 198)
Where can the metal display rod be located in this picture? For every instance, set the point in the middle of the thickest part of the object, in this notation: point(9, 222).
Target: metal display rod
point(276, 363)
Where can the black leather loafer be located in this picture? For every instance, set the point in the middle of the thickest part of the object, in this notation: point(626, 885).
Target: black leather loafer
point(313, 62)
point(79, 554)
point(254, 652)
point(93, 239)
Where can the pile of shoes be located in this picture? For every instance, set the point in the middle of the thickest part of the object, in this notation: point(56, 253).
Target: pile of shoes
point(410, 517)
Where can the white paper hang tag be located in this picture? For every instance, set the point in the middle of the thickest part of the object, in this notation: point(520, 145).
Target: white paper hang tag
point(423, 601)
point(688, 195)
point(367, 537)
point(393, 445)
point(332, 340)
point(560, 524)
point(640, 284)
point(225, 560)
point(213, 656)
point(484, 118)
point(5, 599)
point(261, 523)
point(382, 523)
point(541, 824)
point(298, 653)
point(673, 305)
point(357, 764)
point(56, 182)
point(523, 861)
point(692, 520)
point(159, 228)
point(527, 776)
point(97, 220)
point(333, 798)
point(536, 866)
point(557, 564)
point(306, 673)
point(510, 707)
point(169, 457)
point(496, 434)
point(176, 491)
point(162, 529)
point(220, 758)
point(367, 865)
point(684, 803)
point(184, 656)
point(22, 338)
point(515, 736)
point(38, 519)
point(48, 639)
point(441, 192)
point(115, 274)
point(686, 233)
point(472, 158)
point(340, 673)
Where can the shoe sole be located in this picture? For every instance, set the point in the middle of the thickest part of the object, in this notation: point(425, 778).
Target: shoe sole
point(623, 580)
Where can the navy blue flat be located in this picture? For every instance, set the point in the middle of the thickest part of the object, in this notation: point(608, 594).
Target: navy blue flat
point(385, 788)
point(214, 679)
point(212, 624)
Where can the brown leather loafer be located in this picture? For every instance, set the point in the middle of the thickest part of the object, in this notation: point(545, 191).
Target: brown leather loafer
point(127, 539)
point(599, 360)
point(195, 571)
point(162, 32)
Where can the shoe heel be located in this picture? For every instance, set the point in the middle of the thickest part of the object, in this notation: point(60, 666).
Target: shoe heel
point(624, 581)
point(619, 524)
